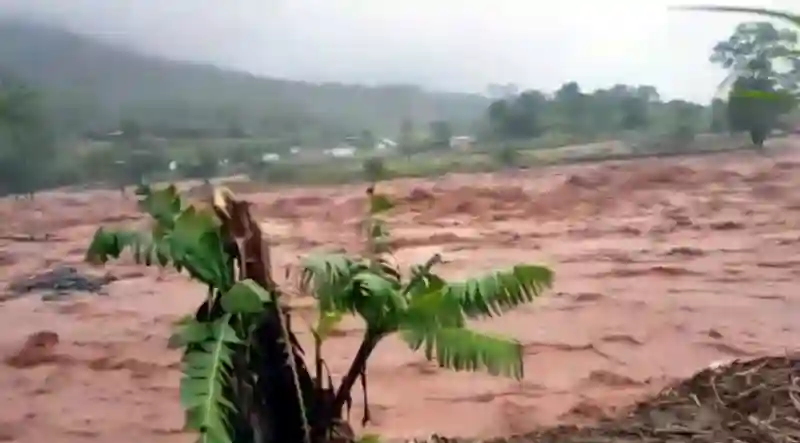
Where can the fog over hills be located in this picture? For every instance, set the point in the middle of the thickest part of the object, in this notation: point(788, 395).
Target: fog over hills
point(92, 80)
point(455, 45)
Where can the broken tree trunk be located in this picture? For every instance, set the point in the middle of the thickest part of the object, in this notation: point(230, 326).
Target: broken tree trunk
point(278, 394)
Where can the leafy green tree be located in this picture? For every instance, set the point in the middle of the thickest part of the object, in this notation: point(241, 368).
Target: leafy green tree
point(242, 155)
point(527, 113)
point(140, 161)
point(27, 142)
point(755, 106)
point(499, 113)
point(205, 165)
point(758, 49)
point(506, 156)
point(407, 144)
point(407, 131)
point(98, 164)
point(366, 140)
point(634, 112)
point(719, 116)
point(131, 130)
point(762, 89)
point(235, 130)
point(520, 117)
point(374, 169)
point(573, 106)
point(139, 155)
point(440, 133)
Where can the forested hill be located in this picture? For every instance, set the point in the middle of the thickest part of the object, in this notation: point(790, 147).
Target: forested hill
point(92, 85)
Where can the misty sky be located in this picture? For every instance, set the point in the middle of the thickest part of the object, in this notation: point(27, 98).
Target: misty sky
point(459, 45)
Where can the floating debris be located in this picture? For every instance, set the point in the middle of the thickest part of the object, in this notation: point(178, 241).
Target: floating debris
point(58, 282)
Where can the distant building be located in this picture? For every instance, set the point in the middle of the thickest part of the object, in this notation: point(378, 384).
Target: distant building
point(385, 143)
point(462, 142)
point(341, 151)
point(270, 157)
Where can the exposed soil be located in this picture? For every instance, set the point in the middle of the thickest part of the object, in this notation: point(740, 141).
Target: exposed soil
point(662, 268)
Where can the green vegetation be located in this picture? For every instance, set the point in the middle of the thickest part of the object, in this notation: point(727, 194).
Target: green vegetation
point(374, 169)
point(28, 148)
point(129, 126)
point(244, 377)
point(765, 72)
point(237, 385)
point(92, 86)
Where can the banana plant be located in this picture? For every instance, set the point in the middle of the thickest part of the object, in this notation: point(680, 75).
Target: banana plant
point(213, 389)
point(218, 384)
point(425, 310)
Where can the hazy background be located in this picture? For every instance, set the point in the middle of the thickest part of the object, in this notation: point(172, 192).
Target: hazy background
point(457, 45)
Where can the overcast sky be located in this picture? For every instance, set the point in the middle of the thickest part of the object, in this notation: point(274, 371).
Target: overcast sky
point(459, 45)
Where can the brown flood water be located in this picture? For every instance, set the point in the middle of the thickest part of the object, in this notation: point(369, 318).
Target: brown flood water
point(662, 267)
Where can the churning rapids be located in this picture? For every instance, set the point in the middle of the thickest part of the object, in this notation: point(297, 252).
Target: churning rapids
point(662, 267)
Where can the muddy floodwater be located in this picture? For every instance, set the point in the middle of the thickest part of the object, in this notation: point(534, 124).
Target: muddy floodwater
point(662, 267)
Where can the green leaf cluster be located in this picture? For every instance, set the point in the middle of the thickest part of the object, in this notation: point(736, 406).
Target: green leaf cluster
point(189, 239)
point(181, 236)
point(427, 311)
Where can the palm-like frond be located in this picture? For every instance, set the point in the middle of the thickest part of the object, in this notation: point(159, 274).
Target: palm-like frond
point(463, 349)
point(207, 361)
point(781, 15)
point(190, 239)
point(107, 245)
point(437, 312)
point(184, 237)
point(329, 277)
point(425, 309)
point(500, 291)
point(207, 366)
point(422, 278)
point(196, 243)
point(344, 285)
point(163, 205)
point(378, 299)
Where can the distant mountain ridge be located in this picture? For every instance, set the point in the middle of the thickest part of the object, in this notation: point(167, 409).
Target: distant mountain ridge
point(94, 84)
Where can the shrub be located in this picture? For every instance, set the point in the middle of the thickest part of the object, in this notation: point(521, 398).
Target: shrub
point(374, 169)
point(205, 165)
point(244, 378)
point(507, 156)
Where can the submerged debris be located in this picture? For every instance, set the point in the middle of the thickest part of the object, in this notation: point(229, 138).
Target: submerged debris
point(38, 349)
point(58, 282)
point(754, 401)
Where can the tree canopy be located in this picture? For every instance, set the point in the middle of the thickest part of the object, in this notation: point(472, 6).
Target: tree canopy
point(123, 117)
point(92, 86)
point(27, 146)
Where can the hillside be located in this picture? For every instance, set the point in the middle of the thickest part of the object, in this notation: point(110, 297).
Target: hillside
point(92, 85)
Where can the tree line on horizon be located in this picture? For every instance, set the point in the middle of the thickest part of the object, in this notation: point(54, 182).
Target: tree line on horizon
point(758, 97)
